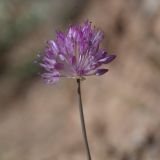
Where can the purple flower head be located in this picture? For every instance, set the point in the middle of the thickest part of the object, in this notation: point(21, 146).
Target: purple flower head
point(75, 54)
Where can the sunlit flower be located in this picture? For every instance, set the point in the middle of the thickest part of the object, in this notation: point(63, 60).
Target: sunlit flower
point(75, 54)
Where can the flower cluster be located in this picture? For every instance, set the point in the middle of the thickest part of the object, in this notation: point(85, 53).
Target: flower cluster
point(75, 54)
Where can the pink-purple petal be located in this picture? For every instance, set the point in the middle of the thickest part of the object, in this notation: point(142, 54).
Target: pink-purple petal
point(51, 77)
point(109, 59)
point(100, 72)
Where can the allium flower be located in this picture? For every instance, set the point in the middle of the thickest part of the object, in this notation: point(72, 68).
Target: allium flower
point(75, 53)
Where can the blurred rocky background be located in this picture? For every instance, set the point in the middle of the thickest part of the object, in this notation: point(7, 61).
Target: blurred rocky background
point(122, 108)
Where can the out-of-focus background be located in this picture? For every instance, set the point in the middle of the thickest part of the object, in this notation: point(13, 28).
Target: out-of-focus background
point(122, 108)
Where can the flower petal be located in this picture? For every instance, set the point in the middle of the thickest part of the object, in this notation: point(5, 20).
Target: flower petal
point(107, 59)
point(51, 77)
point(100, 72)
point(53, 47)
point(97, 36)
